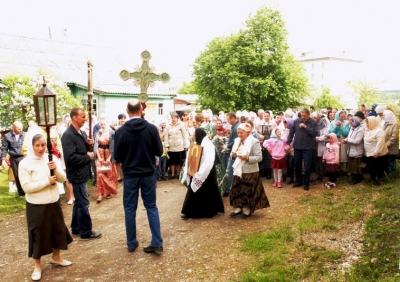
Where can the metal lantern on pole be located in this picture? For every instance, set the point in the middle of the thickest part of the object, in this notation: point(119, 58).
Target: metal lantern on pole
point(46, 113)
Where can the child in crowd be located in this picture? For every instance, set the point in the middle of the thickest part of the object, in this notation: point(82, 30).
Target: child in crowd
point(331, 158)
point(276, 147)
point(162, 161)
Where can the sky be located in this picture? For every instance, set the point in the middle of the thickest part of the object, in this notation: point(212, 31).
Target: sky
point(175, 32)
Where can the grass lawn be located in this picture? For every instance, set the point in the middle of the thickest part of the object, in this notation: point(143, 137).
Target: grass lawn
point(284, 254)
point(9, 203)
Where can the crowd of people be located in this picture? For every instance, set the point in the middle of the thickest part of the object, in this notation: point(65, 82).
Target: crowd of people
point(238, 149)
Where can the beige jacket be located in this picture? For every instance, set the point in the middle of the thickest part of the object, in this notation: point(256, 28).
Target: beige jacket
point(175, 137)
point(392, 138)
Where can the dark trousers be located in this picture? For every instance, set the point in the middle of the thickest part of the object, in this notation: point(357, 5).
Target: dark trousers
point(290, 166)
point(333, 175)
point(376, 167)
point(81, 222)
point(14, 167)
point(299, 157)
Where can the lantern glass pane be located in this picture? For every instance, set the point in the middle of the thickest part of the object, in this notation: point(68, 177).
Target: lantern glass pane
point(51, 110)
point(40, 113)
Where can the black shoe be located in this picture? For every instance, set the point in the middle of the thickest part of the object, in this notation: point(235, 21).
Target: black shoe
point(184, 217)
point(235, 214)
point(132, 249)
point(226, 194)
point(171, 177)
point(268, 177)
point(297, 184)
point(94, 235)
point(319, 178)
point(306, 187)
point(152, 249)
point(75, 233)
point(290, 181)
point(163, 178)
point(377, 182)
point(159, 179)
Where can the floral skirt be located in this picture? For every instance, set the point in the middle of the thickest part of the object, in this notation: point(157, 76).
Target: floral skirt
point(249, 192)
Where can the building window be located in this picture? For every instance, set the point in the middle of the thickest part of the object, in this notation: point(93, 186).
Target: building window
point(323, 65)
point(86, 106)
point(160, 109)
point(312, 65)
point(322, 76)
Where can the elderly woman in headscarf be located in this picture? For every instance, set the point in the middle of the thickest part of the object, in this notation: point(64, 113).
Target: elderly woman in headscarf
point(203, 199)
point(391, 129)
point(47, 232)
point(375, 149)
point(176, 143)
point(323, 128)
point(355, 141)
point(247, 191)
point(341, 127)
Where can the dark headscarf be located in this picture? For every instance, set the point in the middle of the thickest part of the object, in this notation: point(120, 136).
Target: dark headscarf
point(372, 112)
point(199, 134)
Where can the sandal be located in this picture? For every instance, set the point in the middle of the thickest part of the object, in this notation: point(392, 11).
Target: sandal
point(108, 196)
point(99, 198)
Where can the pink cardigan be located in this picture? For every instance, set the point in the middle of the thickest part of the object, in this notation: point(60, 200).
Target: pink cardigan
point(331, 154)
point(277, 146)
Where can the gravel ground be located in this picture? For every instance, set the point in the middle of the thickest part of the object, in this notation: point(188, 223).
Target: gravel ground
point(194, 249)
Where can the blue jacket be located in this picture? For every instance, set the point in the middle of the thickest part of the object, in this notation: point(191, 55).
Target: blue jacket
point(77, 161)
point(136, 144)
point(304, 138)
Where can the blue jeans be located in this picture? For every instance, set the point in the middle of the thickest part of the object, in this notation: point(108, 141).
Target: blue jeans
point(81, 222)
point(162, 166)
point(229, 175)
point(147, 186)
point(299, 156)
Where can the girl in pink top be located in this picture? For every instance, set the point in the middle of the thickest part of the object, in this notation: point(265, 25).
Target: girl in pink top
point(276, 147)
point(331, 158)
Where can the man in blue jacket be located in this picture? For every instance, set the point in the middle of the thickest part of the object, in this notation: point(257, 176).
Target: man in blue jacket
point(304, 131)
point(136, 144)
point(77, 159)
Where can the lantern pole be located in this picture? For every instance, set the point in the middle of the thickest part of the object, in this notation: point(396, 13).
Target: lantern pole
point(46, 117)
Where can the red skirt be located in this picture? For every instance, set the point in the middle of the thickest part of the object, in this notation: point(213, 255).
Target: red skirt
point(280, 164)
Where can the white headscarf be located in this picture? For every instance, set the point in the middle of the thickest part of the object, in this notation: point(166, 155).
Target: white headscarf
point(31, 152)
point(389, 117)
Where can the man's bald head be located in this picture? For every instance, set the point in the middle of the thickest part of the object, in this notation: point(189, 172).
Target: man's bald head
point(134, 107)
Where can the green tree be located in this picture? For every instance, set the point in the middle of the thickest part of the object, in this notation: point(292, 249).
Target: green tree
point(326, 99)
point(366, 93)
point(251, 69)
point(187, 88)
point(17, 101)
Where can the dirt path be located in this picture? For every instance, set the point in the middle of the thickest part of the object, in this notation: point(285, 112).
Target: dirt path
point(194, 250)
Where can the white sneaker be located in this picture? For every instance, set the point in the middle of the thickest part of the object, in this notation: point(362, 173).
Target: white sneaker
point(70, 202)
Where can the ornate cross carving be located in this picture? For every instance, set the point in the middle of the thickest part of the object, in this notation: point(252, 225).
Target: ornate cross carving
point(144, 76)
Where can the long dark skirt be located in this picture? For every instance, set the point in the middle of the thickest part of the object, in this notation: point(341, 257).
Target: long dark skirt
point(46, 229)
point(248, 191)
point(205, 202)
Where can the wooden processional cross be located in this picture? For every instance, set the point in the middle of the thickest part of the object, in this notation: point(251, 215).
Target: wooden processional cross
point(144, 77)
